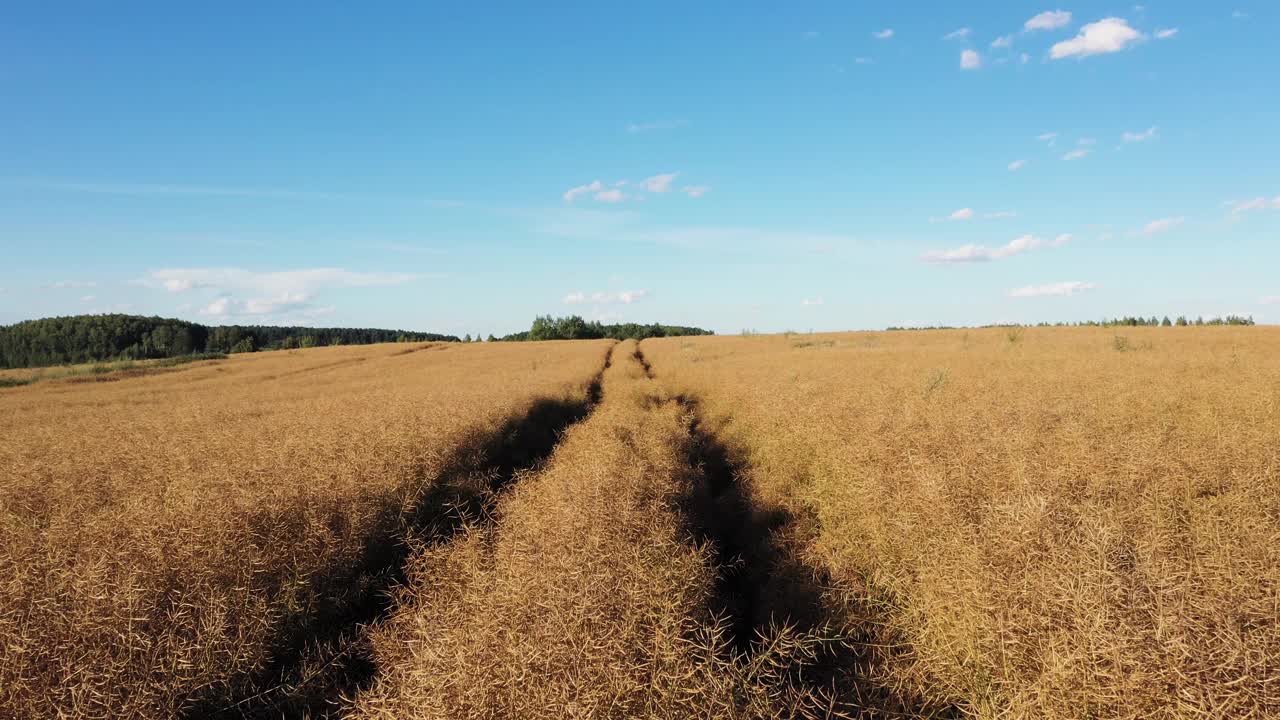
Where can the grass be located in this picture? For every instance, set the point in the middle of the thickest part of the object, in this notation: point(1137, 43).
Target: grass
point(1066, 531)
point(16, 377)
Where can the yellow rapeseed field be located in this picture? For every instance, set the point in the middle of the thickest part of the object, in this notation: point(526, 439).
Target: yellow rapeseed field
point(997, 523)
point(160, 533)
point(1040, 523)
point(589, 597)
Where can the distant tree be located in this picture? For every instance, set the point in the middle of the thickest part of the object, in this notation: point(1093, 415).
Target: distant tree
point(245, 345)
point(1166, 322)
point(466, 338)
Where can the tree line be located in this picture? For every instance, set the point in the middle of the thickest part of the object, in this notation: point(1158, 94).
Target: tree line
point(573, 327)
point(97, 338)
point(1127, 321)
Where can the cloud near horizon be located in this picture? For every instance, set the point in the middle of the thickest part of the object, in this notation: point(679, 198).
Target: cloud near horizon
point(982, 253)
point(622, 297)
point(1058, 289)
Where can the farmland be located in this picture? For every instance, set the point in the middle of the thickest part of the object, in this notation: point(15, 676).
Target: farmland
point(1006, 522)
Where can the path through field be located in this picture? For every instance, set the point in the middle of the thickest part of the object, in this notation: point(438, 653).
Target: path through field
point(630, 575)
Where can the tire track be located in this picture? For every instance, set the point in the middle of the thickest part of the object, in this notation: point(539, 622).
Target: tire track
point(325, 657)
point(767, 587)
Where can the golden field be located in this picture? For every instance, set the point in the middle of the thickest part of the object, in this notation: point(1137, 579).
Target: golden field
point(159, 533)
point(995, 523)
point(586, 598)
point(1041, 523)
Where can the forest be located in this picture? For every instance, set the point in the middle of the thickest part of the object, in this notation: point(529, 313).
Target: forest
point(96, 338)
point(573, 327)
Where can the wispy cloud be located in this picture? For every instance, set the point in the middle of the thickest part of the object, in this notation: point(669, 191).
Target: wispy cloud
point(1051, 138)
point(643, 127)
point(1108, 35)
point(983, 253)
point(279, 294)
point(1058, 289)
point(1017, 165)
point(70, 285)
point(1148, 134)
point(1156, 227)
point(999, 215)
point(623, 297)
point(1258, 203)
point(970, 60)
point(695, 191)
point(960, 34)
point(1076, 154)
point(1048, 20)
point(1003, 41)
point(810, 302)
point(591, 187)
point(1166, 33)
point(166, 189)
point(659, 183)
point(884, 34)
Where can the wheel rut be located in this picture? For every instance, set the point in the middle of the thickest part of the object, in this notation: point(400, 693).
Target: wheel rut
point(325, 658)
point(767, 588)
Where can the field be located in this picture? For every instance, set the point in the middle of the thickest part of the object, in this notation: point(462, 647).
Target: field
point(996, 523)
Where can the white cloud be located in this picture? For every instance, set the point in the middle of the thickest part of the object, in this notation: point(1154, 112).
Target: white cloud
point(1108, 35)
point(1258, 203)
point(623, 297)
point(1017, 165)
point(863, 61)
point(1148, 134)
point(1076, 154)
point(1049, 137)
point(982, 253)
point(1058, 289)
point(71, 285)
point(610, 196)
point(659, 183)
point(218, 308)
point(884, 34)
point(1087, 141)
point(659, 124)
point(88, 298)
point(695, 191)
point(1166, 33)
point(960, 34)
point(808, 302)
point(1061, 240)
point(1002, 42)
point(1048, 20)
point(1000, 214)
point(961, 214)
point(271, 283)
point(1163, 225)
point(591, 187)
point(970, 60)
point(282, 293)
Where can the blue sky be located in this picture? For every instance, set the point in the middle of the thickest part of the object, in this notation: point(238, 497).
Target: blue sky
point(773, 166)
